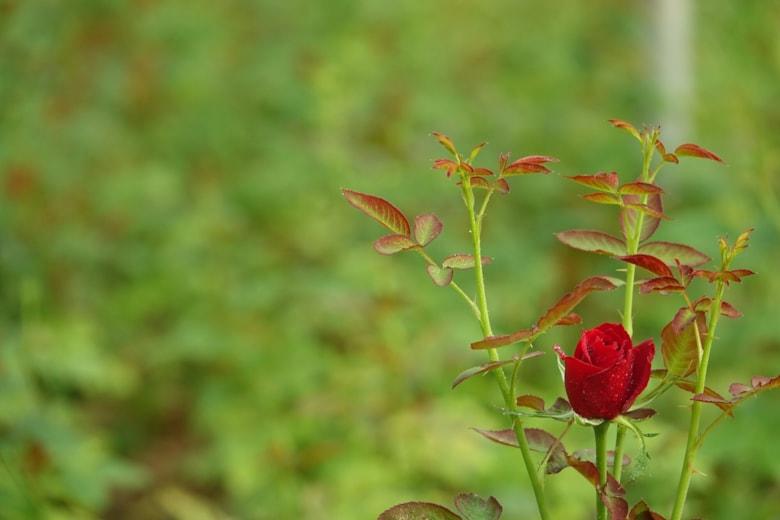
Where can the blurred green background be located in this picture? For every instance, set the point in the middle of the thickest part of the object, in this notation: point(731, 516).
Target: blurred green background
point(193, 322)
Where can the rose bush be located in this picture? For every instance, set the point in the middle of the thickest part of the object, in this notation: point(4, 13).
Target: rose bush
point(606, 373)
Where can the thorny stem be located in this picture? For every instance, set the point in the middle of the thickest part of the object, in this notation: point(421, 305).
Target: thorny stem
point(475, 225)
point(693, 431)
point(601, 463)
point(628, 320)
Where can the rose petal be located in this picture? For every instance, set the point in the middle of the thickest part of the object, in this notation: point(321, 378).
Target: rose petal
point(604, 355)
point(641, 360)
point(597, 393)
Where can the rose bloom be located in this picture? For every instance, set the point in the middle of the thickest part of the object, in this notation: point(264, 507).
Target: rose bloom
point(606, 373)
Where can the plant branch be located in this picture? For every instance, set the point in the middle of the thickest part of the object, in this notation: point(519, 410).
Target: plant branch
point(601, 463)
point(456, 287)
point(484, 319)
point(628, 303)
point(693, 431)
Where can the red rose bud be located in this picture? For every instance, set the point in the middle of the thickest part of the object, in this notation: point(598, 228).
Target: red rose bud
point(606, 373)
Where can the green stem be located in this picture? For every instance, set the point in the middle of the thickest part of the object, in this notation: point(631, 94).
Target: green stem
point(628, 304)
point(601, 463)
point(617, 463)
point(456, 287)
point(484, 320)
point(692, 445)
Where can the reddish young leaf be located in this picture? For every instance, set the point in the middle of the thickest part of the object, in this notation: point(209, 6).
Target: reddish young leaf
point(506, 437)
point(537, 159)
point(440, 276)
point(741, 273)
point(463, 261)
point(629, 216)
point(668, 252)
point(474, 507)
point(612, 496)
point(602, 198)
point(483, 172)
point(765, 382)
point(544, 442)
point(570, 319)
point(647, 210)
point(426, 228)
point(569, 301)
point(663, 285)
point(592, 241)
point(446, 142)
point(519, 167)
point(706, 398)
point(380, 210)
point(649, 262)
point(726, 309)
point(466, 167)
point(448, 165)
point(603, 181)
point(640, 188)
point(418, 511)
point(562, 307)
point(737, 389)
point(690, 386)
point(487, 367)
point(502, 186)
point(641, 511)
point(694, 150)
point(710, 276)
point(679, 347)
point(667, 157)
point(640, 414)
point(478, 182)
point(504, 340)
point(628, 127)
point(531, 401)
point(391, 244)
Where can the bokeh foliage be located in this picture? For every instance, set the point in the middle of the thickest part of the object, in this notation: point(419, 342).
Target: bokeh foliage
point(193, 322)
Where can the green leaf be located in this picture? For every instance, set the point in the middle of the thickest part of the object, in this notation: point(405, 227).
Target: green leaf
point(418, 511)
point(487, 367)
point(679, 347)
point(380, 210)
point(463, 261)
point(592, 241)
point(440, 276)
point(475, 151)
point(669, 251)
point(426, 228)
point(391, 244)
point(474, 507)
